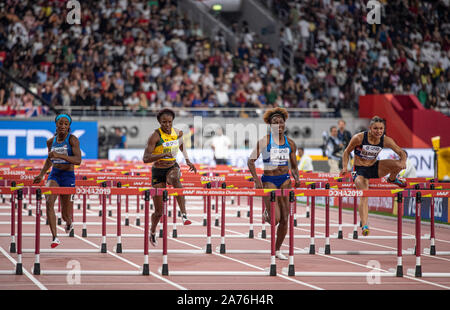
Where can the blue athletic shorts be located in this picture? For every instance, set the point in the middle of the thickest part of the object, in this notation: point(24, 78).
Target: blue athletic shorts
point(62, 177)
point(277, 180)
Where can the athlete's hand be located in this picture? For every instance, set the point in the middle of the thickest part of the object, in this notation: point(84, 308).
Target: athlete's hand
point(167, 155)
point(191, 166)
point(37, 179)
point(297, 183)
point(258, 184)
point(343, 171)
point(53, 154)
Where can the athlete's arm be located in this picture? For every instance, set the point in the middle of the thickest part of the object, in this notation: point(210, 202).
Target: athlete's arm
point(253, 157)
point(48, 163)
point(183, 150)
point(355, 141)
point(294, 165)
point(151, 145)
point(75, 159)
point(390, 143)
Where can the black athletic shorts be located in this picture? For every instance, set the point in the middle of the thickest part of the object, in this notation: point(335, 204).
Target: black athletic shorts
point(367, 172)
point(159, 174)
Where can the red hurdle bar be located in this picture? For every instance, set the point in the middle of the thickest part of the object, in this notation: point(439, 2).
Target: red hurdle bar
point(145, 267)
point(19, 270)
point(174, 219)
point(84, 231)
point(165, 266)
point(37, 237)
point(208, 222)
point(312, 247)
point(418, 272)
point(263, 221)
point(432, 236)
point(12, 247)
point(273, 267)
point(103, 200)
point(327, 222)
point(222, 224)
point(399, 234)
point(250, 232)
point(119, 220)
point(355, 218)
point(292, 203)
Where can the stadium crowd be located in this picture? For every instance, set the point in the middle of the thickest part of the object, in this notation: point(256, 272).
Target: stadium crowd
point(145, 55)
point(407, 53)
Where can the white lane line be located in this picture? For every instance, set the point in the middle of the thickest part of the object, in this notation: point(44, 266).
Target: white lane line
point(29, 275)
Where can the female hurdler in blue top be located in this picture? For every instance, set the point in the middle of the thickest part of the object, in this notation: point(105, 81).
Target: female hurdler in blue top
point(63, 153)
point(279, 155)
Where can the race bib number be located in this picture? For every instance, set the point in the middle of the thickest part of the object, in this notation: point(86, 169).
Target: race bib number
point(279, 156)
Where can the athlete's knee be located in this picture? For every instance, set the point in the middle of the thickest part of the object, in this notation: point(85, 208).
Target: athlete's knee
point(157, 214)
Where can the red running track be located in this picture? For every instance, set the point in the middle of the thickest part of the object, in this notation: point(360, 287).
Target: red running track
point(241, 262)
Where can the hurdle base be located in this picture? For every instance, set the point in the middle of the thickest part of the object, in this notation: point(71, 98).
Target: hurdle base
point(71, 233)
point(273, 270)
point(307, 214)
point(109, 213)
point(138, 222)
point(145, 270)
point(127, 222)
point(340, 236)
point(263, 234)
point(312, 249)
point(432, 250)
point(222, 248)
point(355, 234)
point(84, 233)
point(103, 248)
point(30, 213)
point(238, 214)
point(160, 233)
point(59, 221)
point(216, 223)
point(19, 269)
point(174, 233)
point(291, 270)
point(165, 270)
point(251, 234)
point(204, 222)
point(37, 269)
point(12, 248)
point(208, 248)
point(119, 248)
point(327, 249)
point(399, 271)
point(418, 273)
point(100, 213)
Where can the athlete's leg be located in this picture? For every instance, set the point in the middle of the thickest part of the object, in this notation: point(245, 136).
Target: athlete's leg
point(66, 208)
point(49, 204)
point(158, 203)
point(173, 178)
point(268, 204)
point(362, 183)
point(389, 166)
